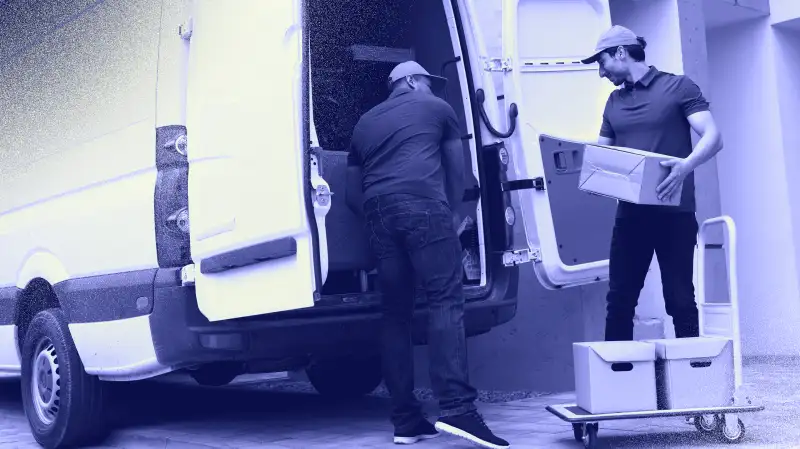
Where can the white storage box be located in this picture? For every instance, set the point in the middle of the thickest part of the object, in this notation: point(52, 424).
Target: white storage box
point(615, 376)
point(694, 372)
point(626, 174)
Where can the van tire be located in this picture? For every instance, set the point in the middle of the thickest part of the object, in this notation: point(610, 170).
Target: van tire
point(346, 377)
point(63, 404)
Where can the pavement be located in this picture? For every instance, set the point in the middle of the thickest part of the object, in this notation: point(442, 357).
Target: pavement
point(249, 415)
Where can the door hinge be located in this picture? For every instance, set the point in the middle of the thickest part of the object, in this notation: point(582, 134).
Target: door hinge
point(523, 184)
point(520, 256)
point(185, 29)
point(187, 275)
point(497, 64)
point(322, 194)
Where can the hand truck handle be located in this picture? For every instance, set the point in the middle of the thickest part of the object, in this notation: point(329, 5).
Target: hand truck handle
point(733, 285)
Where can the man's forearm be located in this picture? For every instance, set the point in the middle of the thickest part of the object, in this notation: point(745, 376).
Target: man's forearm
point(454, 166)
point(707, 147)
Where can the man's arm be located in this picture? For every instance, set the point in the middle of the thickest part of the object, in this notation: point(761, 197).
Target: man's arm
point(606, 141)
point(607, 135)
point(453, 160)
point(696, 109)
point(710, 142)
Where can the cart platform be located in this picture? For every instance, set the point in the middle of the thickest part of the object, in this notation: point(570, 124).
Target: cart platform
point(571, 413)
point(720, 421)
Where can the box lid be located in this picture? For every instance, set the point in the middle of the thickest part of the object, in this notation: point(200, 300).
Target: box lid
point(611, 162)
point(622, 351)
point(690, 348)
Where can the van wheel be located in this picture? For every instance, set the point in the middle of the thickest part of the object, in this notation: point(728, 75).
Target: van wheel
point(346, 377)
point(216, 374)
point(63, 403)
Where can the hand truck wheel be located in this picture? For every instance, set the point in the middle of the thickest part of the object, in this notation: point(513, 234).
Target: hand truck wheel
point(590, 435)
point(577, 431)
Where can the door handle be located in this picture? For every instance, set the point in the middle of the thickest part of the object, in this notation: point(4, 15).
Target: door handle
point(513, 112)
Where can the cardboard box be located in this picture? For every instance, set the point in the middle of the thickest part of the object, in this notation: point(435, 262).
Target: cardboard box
point(694, 372)
point(626, 174)
point(615, 377)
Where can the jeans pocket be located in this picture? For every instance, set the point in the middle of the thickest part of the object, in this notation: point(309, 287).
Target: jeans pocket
point(416, 226)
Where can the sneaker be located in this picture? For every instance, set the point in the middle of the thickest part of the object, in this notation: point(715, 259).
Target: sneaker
point(422, 431)
point(471, 427)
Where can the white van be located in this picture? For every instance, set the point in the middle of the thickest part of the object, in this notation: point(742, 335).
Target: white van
point(172, 183)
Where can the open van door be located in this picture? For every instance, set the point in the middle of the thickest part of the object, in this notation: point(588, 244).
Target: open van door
point(250, 236)
point(560, 103)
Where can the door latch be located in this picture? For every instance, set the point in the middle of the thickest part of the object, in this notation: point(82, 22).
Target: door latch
point(523, 184)
point(322, 194)
point(497, 64)
point(519, 256)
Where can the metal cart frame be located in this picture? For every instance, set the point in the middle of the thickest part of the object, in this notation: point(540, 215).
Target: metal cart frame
point(716, 320)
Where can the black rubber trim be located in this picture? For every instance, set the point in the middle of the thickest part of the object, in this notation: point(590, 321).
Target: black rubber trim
point(182, 336)
point(108, 297)
point(276, 249)
point(714, 246)
point(8, 305)
point(171, 195)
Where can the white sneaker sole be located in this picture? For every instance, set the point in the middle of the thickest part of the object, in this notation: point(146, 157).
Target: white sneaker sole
point(456, 432)
point(413, 440)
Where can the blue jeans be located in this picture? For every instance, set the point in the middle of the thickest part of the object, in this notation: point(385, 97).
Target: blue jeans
point(672, 236)
point(415, 242)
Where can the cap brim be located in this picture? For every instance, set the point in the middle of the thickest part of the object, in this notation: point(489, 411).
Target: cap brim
point(592, 59)
point(437, 82)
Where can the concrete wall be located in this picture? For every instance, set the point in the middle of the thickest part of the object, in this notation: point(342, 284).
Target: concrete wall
point(757, 123)
point(787, 59)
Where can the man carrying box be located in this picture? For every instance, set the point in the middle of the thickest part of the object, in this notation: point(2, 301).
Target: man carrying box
point(653, 111)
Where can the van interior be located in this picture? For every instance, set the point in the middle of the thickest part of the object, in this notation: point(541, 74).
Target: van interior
point(354, 44)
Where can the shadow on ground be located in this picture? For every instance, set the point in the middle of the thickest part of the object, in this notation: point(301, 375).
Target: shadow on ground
point(147, 403)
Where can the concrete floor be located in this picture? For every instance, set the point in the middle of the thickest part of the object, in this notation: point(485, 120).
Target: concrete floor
point(155, 415)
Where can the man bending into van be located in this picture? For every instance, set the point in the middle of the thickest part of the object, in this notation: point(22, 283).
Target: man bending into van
point(654, 111)
point(406, 158)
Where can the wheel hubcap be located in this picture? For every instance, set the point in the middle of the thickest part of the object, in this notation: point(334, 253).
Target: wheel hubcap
point(46, 382)
point(708, 423)
point(732, 435)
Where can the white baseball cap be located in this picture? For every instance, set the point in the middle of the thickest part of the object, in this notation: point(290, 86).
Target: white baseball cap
point(616, 36)
point(411, 68)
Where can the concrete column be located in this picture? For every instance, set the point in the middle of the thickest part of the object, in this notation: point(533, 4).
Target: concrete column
point(758, 116)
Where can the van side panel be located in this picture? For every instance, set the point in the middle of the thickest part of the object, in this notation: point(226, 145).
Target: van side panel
point(9, 360)
point(77, 157)
point(78, 165)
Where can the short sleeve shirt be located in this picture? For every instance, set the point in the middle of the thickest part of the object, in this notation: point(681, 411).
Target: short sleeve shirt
point(398, 145)
point(651, 115)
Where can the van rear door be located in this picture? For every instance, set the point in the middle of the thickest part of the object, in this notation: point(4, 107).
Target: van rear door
point(560, 103)
point(250, 236)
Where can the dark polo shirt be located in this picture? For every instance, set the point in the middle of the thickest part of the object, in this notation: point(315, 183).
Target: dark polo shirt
point(651, 115)
point(398, 145)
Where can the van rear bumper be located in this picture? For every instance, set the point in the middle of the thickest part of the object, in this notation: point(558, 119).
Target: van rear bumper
point(183, 337)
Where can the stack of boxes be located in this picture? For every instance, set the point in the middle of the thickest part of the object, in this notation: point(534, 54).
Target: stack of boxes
point(667, 374)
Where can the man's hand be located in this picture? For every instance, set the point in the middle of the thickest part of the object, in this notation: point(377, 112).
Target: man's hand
point(679, 171)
